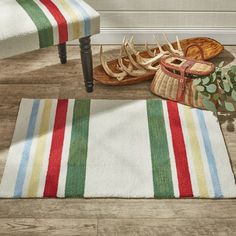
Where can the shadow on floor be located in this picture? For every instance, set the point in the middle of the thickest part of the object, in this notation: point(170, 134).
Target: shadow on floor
point(228, 119)
point(225, 56)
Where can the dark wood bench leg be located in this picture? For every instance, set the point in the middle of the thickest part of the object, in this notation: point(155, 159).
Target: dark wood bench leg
point(87, 62)
point(62, 53)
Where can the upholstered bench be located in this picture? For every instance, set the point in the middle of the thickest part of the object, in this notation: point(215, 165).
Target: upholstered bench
point(27, 25)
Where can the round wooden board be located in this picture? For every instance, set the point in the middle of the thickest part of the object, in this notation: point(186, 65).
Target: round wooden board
point(210, 47)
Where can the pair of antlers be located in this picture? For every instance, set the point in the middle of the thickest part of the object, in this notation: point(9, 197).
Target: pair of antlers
point(135, 65)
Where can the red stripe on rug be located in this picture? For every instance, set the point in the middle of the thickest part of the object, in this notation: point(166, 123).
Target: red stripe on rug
point(60, 19)
point(185, 186)
point(51, 184)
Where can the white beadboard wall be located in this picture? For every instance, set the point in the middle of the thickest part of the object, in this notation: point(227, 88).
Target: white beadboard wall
point(186, 18)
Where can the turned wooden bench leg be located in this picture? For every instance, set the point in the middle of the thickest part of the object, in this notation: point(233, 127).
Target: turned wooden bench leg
point(62, 53)
point(87, 62)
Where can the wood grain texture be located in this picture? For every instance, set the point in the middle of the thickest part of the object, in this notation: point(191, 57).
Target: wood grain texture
point(52, 227)
point(152, 227)
point(39, 75)
point(117, 208)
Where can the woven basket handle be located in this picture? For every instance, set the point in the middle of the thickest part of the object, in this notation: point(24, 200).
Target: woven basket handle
point(195, 45)
point(182, 82)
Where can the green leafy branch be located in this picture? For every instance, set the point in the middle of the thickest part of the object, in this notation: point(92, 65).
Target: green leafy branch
point(218, 91)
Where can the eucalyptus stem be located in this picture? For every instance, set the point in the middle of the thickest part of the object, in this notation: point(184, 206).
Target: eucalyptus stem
point(218, 91)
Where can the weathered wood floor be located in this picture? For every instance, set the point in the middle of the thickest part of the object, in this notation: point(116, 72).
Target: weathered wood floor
point(39, 75)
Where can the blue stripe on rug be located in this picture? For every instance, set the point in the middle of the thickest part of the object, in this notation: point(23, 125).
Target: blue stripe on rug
point(26, 152)
point(210, 155)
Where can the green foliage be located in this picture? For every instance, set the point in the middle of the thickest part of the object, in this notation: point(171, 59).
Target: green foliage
point(229, 106)
point(233, 69)
point(206, 80)
point(233, 94)
point(211, 88)
point(209, 105)
point(226, 86)
point(196, 81)
point(218, 89)
point(200, 88)
point(221, 64)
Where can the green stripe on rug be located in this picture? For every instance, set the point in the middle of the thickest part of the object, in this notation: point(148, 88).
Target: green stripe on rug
point(76, 170)
point(162, 178)
point(40, 20)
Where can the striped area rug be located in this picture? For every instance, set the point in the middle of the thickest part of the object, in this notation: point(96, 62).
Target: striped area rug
point(107, 148)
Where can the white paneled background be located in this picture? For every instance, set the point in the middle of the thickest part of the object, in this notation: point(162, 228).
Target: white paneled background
point(186, 18)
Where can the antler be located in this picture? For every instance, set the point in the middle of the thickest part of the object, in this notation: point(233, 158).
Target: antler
point(148, 63)
point(149, 51)
point(130, 70)
point(172, 49)
point(141, 62)
point(122, 49)
point(159, 46)
point(125, 71)
point(132, 61)
point(119, 76)
point(136, 64)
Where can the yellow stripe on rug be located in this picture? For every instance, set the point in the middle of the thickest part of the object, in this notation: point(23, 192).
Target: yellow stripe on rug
point(196, 153)
point(40, 149)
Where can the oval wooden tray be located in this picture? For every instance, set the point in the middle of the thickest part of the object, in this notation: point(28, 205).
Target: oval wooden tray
point(210, 47)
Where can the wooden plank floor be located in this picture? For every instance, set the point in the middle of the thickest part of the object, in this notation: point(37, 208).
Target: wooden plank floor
point(39, 75)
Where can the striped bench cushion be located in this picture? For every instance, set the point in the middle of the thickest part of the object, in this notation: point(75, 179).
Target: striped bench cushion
point(28, 25)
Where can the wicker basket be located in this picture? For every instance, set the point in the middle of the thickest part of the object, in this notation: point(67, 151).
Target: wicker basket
point(174, 79)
